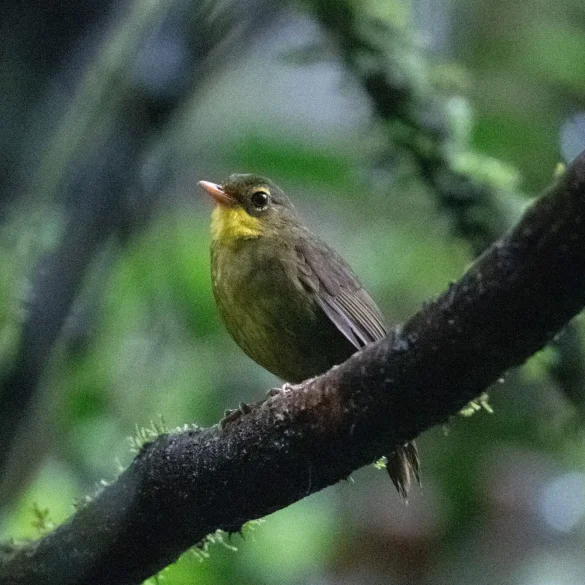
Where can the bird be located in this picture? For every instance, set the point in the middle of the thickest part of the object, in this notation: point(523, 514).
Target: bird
point(290, 301)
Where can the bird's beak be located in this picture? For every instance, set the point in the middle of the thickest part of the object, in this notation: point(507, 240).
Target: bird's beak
point(217, 192)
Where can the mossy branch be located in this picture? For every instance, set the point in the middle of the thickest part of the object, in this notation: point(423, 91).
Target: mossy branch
point(182, 487)
point(477, 193)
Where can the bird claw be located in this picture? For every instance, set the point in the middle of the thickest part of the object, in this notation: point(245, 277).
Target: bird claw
point(233, 414)
point(286, 387)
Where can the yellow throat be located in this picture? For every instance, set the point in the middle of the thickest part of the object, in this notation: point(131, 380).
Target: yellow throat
point(231, 223)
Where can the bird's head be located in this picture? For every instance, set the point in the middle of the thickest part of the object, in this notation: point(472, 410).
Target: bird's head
point(248, 206)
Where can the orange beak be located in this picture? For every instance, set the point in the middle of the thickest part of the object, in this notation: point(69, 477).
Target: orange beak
point(217, 192)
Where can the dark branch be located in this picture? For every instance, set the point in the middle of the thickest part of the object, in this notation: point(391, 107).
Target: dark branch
point(181, 487)
point(101, 186)
point(55, 285)
point(415, 117)
point(416, 120)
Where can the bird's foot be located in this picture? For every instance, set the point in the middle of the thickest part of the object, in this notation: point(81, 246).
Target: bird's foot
point(230, 415)
point(286, 387)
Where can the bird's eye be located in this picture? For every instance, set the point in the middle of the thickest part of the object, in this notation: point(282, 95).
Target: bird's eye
point(259, 199)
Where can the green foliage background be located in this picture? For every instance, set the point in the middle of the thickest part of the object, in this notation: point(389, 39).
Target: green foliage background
point(510, 74)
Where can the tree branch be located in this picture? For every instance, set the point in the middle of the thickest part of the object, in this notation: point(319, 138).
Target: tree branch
point(416, 118)
point(105, 180)
point(181, 487)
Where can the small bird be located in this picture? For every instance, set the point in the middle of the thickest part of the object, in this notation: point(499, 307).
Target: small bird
point(287, 298)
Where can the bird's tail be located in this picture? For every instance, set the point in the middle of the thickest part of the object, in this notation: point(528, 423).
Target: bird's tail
point(403, 465)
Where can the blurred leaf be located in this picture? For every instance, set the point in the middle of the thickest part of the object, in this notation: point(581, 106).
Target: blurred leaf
point(293, 161)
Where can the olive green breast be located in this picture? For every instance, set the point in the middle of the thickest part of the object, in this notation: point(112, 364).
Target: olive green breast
point(269, 313)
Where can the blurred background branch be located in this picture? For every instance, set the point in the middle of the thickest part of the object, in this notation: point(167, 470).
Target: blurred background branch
point(422, 121)
point(124, 103)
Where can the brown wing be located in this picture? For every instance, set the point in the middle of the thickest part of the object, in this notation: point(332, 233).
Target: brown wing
point(345, 301)
point(339, 293)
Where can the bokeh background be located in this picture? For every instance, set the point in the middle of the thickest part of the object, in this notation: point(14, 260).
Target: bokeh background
point(408, 133)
